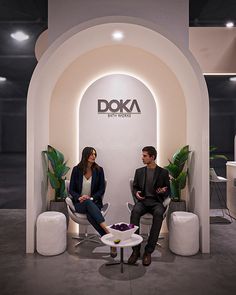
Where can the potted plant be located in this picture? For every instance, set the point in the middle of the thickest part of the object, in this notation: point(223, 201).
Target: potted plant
point(56, 172)
point(214, 156)
point(178, 176)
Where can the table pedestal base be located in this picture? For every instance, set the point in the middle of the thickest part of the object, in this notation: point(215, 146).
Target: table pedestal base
point(121, 262)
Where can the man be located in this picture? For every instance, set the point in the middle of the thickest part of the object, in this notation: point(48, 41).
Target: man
point(151, 187)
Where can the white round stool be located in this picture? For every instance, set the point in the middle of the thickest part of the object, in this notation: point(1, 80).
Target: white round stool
point(51, 233)
point(184, 233)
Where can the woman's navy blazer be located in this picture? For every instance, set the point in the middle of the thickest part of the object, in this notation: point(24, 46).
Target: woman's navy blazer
point(97, 185)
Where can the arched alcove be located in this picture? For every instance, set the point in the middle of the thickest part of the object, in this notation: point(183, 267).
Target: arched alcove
point(169, 102)
point(45, 90)
point(112, 114)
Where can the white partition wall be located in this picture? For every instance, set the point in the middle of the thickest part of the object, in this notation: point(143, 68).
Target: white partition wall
point(117, 116)
point(177, 86)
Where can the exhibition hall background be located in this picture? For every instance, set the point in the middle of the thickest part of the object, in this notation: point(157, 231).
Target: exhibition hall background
point(20, 62)
point(154, 75)
point(9, 146)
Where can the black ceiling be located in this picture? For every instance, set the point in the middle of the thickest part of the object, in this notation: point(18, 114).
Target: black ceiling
point(17, 60)
point(211, 13)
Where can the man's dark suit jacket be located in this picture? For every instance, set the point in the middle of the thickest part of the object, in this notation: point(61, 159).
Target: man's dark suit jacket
point(97, 185)
point(160, 179)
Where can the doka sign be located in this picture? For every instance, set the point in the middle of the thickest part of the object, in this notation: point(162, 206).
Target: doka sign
point(118, 107)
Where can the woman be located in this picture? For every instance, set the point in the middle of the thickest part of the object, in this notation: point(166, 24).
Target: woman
point(87, 187)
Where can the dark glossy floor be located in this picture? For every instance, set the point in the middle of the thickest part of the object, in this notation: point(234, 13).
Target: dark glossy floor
point(82, 270)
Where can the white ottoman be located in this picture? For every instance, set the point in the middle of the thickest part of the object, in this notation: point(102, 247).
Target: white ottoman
point(51, 233)
point(184, 233)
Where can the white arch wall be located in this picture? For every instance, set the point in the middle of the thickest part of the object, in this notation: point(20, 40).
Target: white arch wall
point(153, 72)
point(170, 103)
point(57, 59)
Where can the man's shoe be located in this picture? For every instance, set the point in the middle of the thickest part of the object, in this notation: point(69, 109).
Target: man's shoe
point(134, 257)
point(147, 259)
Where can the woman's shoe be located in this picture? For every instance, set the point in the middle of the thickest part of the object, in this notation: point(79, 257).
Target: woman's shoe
point(113, 252)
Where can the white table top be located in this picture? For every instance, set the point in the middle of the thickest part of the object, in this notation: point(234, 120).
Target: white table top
point(231, 163)
point(133, 241)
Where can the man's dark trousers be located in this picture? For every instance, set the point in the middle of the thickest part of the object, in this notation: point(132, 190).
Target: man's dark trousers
point(156, 209)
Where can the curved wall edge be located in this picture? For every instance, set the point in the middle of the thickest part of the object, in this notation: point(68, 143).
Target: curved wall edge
point(57, 58)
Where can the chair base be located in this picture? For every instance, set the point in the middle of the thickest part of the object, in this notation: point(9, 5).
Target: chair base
point(87, 238)
point(231, 217)
point(216, 189)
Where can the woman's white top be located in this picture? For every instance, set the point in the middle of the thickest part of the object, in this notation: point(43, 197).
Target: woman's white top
point(86, 187)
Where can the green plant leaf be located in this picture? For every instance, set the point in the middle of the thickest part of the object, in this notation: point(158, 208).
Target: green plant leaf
point(63, 189)
point(55, 157)
point(56, 171)
point(173, 170)
point(53, 180)
point(52, 159)
point(213, 148)
point(213, 156)
point(182, 179)
point(61, 170)
point(178, 175)
point(66, 169)
point(181, 156)
point(175, 191)
point(60, 156)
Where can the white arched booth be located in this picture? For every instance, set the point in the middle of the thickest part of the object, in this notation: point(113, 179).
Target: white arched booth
point(83, 55)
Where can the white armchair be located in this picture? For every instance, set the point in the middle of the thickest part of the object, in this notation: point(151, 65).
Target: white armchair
point(81, 219)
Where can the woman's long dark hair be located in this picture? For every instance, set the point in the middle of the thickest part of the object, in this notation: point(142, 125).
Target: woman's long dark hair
point(83, 164)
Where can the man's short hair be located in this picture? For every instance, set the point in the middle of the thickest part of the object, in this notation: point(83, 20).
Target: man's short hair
point(151, 151)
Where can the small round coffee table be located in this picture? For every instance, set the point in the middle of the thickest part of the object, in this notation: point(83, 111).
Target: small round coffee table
point(108, 240)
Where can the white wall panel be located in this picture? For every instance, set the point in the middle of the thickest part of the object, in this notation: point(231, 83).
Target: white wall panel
point(118, 136)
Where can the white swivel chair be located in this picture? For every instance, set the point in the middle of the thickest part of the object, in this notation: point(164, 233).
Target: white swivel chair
point(146, 219)
point(81, 219)
point(215, 181)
